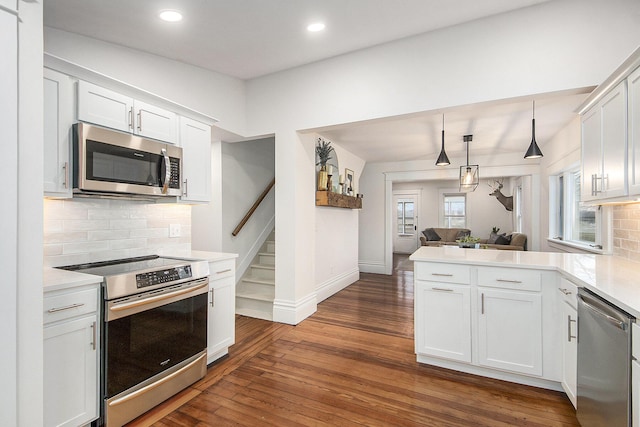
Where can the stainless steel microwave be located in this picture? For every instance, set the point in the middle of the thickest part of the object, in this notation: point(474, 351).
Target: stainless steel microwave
point(109, 163)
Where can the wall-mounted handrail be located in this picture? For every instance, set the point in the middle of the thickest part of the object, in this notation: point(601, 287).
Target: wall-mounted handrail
point(253, 208)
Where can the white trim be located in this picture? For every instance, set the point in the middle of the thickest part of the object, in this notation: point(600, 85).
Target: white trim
point(573, 247)
point(336, 284)
point(491, 373)
point(294, 312)
point(372, 267)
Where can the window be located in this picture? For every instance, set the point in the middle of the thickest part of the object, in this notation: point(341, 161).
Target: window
point(455, 210)
point(406, 216)
point(574, 221)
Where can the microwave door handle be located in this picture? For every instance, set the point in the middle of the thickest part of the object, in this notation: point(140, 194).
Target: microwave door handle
point(167, 171)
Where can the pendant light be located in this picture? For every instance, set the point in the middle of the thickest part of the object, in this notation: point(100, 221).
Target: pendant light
point(443, 160)
point(469, 174)
point(534, 151)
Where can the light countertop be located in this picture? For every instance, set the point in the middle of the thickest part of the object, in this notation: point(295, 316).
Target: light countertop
point(615, 279)
point(56, 279)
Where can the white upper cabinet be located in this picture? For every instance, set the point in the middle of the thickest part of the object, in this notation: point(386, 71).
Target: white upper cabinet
point(58, 119)
point(195, 140)
point(117, 111)
point(604, 147)
point(633, 88)
point(9, 4)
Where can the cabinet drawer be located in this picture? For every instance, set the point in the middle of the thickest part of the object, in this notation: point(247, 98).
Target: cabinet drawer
point(635, 341)
point(448, 273)
point(222, 269)
point(569, 292)
point(64, 306)
point(509, 278)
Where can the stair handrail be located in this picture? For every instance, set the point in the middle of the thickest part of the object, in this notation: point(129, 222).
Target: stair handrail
point(253, 208)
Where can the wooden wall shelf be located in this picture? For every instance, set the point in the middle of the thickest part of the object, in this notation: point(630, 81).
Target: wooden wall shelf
point(336, 200)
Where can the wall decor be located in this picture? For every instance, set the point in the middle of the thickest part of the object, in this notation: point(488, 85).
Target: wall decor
point(348, 182)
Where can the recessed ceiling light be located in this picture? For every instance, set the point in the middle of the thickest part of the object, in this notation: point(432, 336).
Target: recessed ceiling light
point(170, 15)
point(315, 27)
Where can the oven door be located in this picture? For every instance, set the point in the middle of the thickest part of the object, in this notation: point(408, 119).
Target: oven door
point(149, 333)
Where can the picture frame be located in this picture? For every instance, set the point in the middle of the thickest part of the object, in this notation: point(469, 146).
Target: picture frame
point(348, 180)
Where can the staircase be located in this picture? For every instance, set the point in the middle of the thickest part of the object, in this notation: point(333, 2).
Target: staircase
point(257, 288)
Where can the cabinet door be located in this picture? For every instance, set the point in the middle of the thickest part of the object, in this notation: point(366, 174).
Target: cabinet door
point(614, 142)
point(104, 107)
point(510, 330)
point(195, 139)
point(71, 372)
point(221, 321)
point(569, 328)
point(58, 119)
point(443, 320)
point(155, 122)
point(591, 153)
point(633, 114)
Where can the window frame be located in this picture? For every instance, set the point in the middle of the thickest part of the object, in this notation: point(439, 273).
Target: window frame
point(443, 200)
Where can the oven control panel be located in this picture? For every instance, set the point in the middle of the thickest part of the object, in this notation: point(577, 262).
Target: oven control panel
point(158, 277)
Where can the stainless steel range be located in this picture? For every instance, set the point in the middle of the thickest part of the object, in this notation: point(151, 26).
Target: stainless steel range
point(154, 331)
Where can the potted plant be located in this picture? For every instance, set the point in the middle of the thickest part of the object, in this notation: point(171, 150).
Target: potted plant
point(467, 242)
point(323, 153)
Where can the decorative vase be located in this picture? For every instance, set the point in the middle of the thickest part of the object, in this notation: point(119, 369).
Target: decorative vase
point(323, 179)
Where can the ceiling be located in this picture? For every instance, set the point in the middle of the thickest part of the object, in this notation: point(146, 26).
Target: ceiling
point(250, 38)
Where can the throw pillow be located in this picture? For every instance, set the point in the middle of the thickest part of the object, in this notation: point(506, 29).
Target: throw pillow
point(503, 240)
point(431, 235)
point(462, 234)
point(494, 236)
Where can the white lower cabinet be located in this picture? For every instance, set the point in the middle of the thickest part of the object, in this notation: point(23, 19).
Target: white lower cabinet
point(221, 318)
point(443, 320)
point(71, 355)
point(510, 330)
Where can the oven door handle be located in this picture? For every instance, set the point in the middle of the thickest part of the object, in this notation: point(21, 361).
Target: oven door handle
point(132, 304)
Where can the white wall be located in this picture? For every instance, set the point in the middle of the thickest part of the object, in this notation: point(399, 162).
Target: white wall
point(211, 93)
point(336, 231)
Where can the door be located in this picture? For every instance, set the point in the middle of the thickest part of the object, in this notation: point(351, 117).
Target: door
point(443, 320)
point(405, 237)
point(569, 351)
point(510, 330)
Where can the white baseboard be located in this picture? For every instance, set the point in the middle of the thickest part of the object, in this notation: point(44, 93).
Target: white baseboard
point(372, 267)
point(336, 284)
point(294, 312)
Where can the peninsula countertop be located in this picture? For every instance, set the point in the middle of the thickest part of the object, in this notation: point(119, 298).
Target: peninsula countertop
point(615, 279)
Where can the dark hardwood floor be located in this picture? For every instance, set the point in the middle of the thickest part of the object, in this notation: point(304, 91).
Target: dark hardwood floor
point(350, 364)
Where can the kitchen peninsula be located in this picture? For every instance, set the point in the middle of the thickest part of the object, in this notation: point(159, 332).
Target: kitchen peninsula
point(502, 314)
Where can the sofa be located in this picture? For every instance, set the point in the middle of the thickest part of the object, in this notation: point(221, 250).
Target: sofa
point(443, 236)
point(448, 236)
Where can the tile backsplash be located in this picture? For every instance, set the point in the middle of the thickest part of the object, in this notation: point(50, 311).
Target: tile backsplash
point(87, 230)
point(626, 231)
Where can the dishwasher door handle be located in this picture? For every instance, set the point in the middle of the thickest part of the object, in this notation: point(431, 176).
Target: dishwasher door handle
point(617, 323)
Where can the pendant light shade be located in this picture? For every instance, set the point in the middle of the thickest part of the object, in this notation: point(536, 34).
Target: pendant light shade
point(443, 160)
point(534, 151)
point(469, 174)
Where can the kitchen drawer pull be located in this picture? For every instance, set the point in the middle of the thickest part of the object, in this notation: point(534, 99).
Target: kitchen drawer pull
point(442, 274)
point(213, 297)
point(442, 289)
point(65, 168)
point(565, 291)
point(66, 307)
point(140, 121)
point(186, 182)
point(223, 271)
point(131, 118)
point(508, 281)
point(482, 303)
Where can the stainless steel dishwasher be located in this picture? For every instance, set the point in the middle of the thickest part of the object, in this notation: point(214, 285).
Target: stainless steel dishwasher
point(604, 363)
